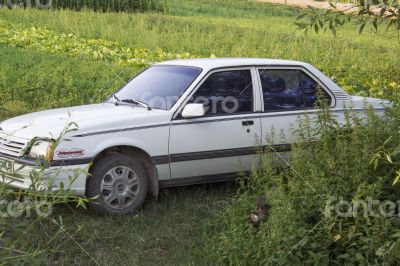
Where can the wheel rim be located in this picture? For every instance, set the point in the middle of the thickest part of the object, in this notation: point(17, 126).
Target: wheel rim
point(120, 187)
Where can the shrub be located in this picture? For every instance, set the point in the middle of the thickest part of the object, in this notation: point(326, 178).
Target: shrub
point(34, 205)
point(302, 229)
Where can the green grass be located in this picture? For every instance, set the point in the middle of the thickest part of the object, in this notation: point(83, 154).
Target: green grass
point(355, 61)
point(169, 231)
point(32, 81)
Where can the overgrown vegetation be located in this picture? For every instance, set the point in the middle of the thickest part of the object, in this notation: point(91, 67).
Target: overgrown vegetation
point(45, 40)
point(44, 66)
point(375, 13)
point(304, 226)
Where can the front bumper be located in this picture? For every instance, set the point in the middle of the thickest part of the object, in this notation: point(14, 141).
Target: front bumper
point(19, 175)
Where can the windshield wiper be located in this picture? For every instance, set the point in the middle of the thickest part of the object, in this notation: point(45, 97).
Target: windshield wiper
point(134, 101)
point(117, 100)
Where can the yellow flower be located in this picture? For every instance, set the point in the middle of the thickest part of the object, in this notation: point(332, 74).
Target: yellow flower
point(393, 85)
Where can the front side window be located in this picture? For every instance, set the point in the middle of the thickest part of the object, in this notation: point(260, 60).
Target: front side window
point(159, 86)
point(226, 92)
point(314, 95)
point(290, 90)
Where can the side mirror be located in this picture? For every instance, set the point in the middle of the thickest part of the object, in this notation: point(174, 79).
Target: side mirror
point(193, 110)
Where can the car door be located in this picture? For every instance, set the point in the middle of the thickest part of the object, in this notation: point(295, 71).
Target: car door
point(226, 140)
point(287, 95)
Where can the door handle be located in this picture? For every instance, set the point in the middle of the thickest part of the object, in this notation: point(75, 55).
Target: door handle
point(247, 123)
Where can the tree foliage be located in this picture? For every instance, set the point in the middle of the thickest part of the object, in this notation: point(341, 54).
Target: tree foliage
point(375, 13)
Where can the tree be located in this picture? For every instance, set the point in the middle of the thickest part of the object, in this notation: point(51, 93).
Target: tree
point(365, 12)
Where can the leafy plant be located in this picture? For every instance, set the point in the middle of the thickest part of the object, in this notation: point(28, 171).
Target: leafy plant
point(302, 229)
point(365, 12)
point(45, 40)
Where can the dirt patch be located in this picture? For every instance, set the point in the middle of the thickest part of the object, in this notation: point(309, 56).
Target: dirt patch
point(350, 8)
point(346, 8)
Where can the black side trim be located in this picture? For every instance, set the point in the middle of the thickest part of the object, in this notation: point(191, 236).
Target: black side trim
point(71, 162)
point(218, 119)
point(192, 156)
point(212, 154)
point(160, 159)
point(277, 148)
point(22, 160)
point(120, 130)
point(193, 180)
point(33, 162)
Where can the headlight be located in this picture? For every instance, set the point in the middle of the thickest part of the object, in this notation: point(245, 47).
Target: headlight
point(42, 149)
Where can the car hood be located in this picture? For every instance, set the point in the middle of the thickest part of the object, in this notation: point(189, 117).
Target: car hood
point(51, 123)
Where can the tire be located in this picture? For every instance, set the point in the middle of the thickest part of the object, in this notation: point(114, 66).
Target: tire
point(118, 183)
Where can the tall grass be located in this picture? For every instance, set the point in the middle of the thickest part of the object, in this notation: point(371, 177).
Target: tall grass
point(301, 229)
point(32, 81)
point(170, 231)
point(357, 62)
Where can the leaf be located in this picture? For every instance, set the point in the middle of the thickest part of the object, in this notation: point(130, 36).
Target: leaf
point(301, 16)
point(333, 30)
point(375, 24)
point(361, 28)
point(389, 158)
point(321, 24)
point(337, 237)
point(383, 10)
point(343, 256)
point(316, 28)
point(397, 178)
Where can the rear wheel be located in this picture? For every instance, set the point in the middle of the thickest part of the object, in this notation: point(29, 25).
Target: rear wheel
point(119, 183)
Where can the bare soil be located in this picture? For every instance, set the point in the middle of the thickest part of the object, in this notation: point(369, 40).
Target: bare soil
point(348, 8)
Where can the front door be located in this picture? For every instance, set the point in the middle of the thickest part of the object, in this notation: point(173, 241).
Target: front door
point(227, 139)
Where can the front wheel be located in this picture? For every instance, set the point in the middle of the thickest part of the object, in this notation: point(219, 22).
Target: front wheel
point(118, 183)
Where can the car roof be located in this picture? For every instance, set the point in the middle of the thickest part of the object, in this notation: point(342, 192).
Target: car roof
point(211, 63)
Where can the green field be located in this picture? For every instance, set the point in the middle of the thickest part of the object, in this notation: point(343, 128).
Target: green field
point(41, 69)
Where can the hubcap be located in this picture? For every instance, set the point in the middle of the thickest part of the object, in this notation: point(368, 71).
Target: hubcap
point(120, 187)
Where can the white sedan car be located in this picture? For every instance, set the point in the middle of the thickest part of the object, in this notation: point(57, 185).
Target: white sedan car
point(176, 123)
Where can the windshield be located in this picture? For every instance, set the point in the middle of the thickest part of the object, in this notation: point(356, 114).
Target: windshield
point(159, 86)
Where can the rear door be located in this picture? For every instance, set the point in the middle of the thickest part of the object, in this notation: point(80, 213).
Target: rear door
point(287, 95)
point(227, 139)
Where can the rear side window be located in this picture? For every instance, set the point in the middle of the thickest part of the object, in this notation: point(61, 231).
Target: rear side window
point(314, 95)
point(226, 92)
point(290, 90)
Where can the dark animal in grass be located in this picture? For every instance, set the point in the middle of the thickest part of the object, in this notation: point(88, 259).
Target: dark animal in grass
point(261, 213)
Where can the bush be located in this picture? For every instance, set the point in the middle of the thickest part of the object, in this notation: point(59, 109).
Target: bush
point(96, 5)
point(34, 205)
point(302, 227)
